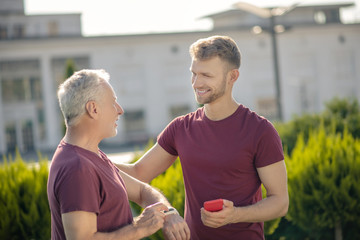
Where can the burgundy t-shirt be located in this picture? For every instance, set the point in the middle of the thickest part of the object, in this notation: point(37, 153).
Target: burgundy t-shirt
point(79, 180)
point(219, 160)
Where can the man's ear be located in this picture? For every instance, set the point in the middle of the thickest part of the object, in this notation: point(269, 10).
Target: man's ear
point(233, 75)
point(92, 109)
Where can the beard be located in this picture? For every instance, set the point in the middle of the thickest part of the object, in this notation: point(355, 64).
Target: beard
point(214, 95)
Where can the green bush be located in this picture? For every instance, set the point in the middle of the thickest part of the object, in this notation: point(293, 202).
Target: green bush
point(324, 185)
point(24, 207)
point(338, 115)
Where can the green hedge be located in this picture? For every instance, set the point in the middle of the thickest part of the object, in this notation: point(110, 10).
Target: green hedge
point(324, 185)
point(24, 207)
point(338, 115)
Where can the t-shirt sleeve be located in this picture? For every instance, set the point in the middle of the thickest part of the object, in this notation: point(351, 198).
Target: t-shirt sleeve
point(166, 139)
point(78, 190)
point(269, 147)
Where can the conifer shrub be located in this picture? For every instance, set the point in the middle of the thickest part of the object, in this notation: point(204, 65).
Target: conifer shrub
point(324, 185)
point(338, 115)
point(24, 207)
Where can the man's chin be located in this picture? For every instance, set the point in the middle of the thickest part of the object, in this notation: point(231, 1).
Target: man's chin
point(112, 135)
point(200, 101)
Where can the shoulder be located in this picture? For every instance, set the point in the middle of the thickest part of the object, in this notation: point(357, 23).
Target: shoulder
point(255, 123)
point(188, 118)
point(254, 117)
point(69, 160)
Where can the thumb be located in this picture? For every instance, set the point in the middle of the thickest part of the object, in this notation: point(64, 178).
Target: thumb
point(228, 204)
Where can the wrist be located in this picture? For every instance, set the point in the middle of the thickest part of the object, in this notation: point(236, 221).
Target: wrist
point(138, 231)
point(171, 210)
point(235, 218)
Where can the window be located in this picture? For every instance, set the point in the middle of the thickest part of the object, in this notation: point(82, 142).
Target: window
point(20, 83)
point(134, 121)
point(27, 135)
point(18, 31)
point(267, 107)
point(178, 110)
point(10, 135)
point(327, 16)
point(3, 32)
point(53, 29)
point(21, 90)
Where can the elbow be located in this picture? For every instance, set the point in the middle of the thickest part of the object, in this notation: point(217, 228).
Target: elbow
point(285, 207)
point(140, 174)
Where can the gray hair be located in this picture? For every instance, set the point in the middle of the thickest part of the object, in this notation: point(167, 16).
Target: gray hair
point(83, 86)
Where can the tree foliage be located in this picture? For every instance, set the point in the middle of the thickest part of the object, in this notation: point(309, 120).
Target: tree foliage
point(23, 199)
point(324, 184)
point(338, 115)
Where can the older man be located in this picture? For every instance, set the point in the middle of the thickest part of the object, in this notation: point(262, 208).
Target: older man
point(88, 195)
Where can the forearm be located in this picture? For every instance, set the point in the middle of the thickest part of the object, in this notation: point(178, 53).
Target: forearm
point(83, 225)
point(150, 165)
point(128, 168)
point(267, 209)
point(129, 232)
point(149, 196)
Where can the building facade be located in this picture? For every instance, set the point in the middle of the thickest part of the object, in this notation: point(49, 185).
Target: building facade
point(318, 58)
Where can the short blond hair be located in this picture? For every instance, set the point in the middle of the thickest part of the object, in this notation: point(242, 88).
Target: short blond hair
point(223, 47)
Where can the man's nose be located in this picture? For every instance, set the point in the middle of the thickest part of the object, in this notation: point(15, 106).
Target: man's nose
point(120, 109)
point(196, 81)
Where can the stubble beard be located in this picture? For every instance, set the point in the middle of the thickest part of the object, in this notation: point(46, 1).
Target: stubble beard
point(213, 97)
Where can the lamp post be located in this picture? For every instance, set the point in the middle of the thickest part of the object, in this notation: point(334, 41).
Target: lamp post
point(271, 14)
point(276, 68)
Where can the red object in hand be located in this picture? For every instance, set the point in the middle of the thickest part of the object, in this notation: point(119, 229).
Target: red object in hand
point(214, 205)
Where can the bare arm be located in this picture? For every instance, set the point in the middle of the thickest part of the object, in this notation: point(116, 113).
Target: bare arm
point(154, 162)
point(142, 193)
point(80, 225)
point(273, 206)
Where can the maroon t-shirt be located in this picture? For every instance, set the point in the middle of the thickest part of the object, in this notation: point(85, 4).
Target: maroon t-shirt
point(219, 160)
point(79, 180)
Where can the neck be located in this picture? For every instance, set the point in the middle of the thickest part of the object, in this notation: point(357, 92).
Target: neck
point(81, 138)
point(219, 111)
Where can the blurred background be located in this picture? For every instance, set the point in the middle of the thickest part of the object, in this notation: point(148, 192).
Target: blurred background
point(296, 55)
point(300, 69)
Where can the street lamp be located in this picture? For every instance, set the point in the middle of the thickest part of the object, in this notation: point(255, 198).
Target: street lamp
point(270, 14)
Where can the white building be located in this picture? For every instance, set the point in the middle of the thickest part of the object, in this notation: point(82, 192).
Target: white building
point(319, 58)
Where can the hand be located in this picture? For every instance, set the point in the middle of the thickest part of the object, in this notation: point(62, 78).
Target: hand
point(220, 218)
point(175, 228)
point(151, 219)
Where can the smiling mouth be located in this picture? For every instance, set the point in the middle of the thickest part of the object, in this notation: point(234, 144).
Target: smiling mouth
point(201, 92)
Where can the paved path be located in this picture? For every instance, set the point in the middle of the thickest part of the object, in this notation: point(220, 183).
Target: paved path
point(123, 157)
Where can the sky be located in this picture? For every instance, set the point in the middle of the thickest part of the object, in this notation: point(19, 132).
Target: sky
point(113, 17)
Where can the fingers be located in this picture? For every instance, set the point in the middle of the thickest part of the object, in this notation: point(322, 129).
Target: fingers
point(216, 219)
point(228, 203)
point(152, 218)
point(180, 235)
point(176, 228)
